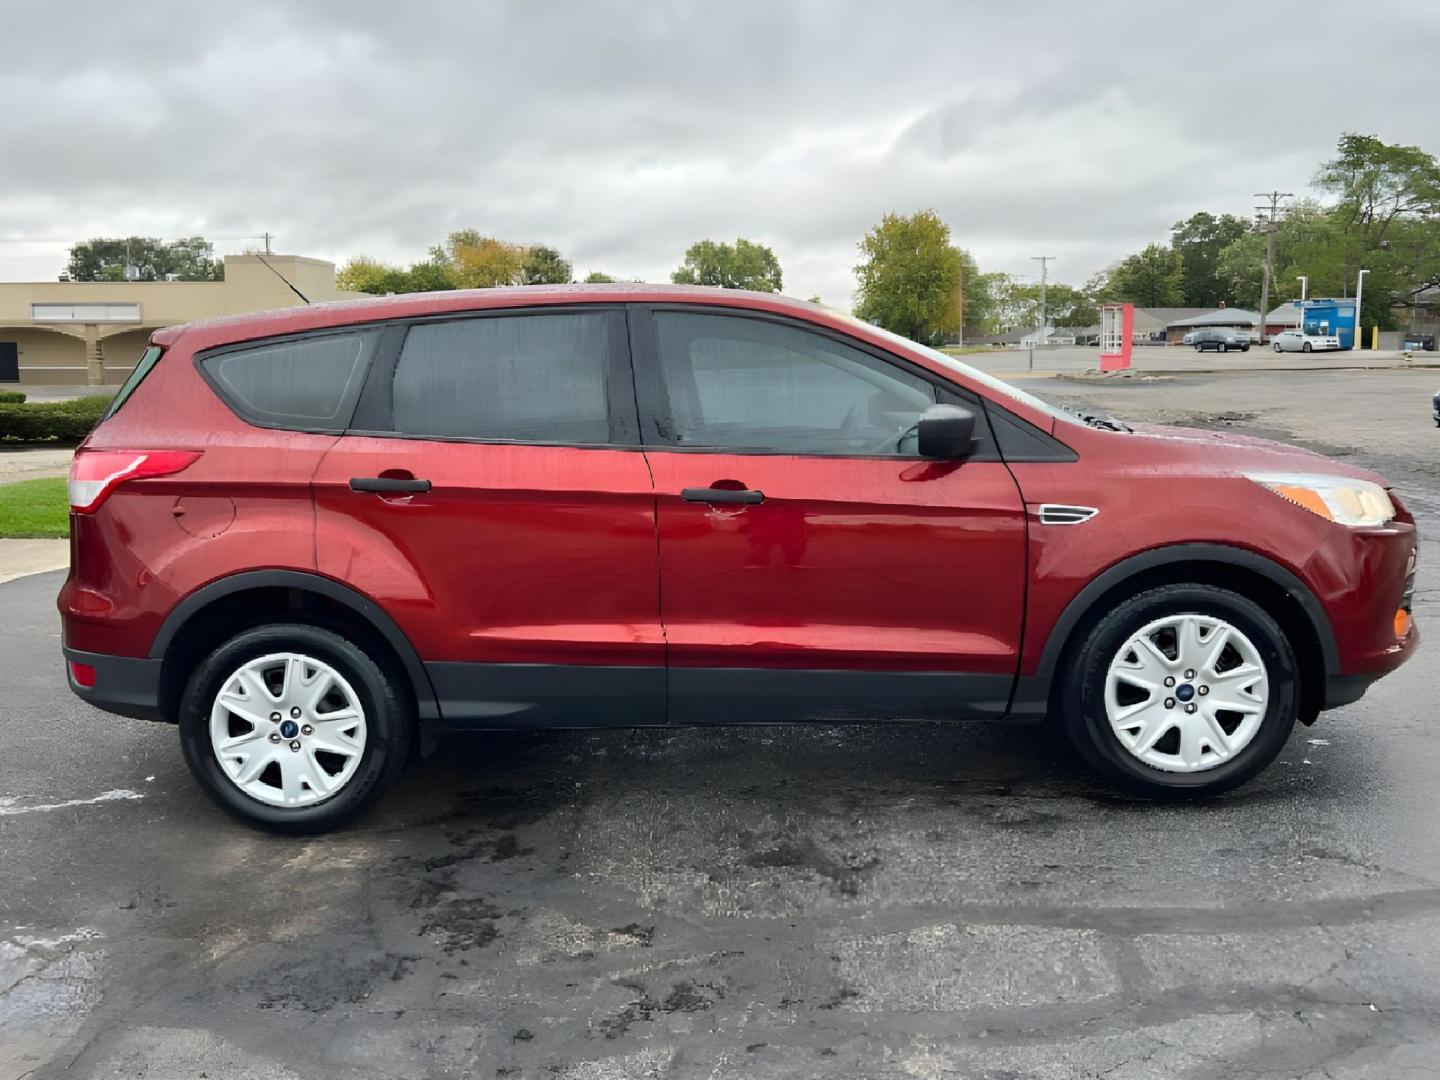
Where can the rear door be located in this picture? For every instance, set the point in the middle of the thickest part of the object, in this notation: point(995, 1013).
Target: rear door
point(812, 564)
point(484, 498)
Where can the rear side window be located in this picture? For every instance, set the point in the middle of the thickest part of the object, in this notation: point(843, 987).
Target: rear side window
point(147, 361)
point(526, 378)
point(307, 383)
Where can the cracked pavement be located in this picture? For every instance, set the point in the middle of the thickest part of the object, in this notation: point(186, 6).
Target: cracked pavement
point(860, 901)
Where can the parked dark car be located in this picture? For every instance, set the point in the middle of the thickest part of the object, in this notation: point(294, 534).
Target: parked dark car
point(1418, 343)
point(314, 537)
point(1220, 340)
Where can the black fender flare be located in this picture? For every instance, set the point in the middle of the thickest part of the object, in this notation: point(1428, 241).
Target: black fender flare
point(1032, 692)
point(366, 608)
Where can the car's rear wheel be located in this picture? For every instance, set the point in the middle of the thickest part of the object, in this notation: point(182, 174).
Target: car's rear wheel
point(1277, 346)
point(293, 728)
point(1305, 347)
point(1181, 691)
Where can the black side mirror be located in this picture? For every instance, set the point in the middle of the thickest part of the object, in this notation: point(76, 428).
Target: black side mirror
point(946, 432)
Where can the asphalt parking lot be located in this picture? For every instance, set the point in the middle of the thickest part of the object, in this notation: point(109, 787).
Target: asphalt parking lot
point(866, 901)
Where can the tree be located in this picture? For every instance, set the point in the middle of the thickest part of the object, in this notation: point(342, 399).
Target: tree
point(364, 274)
point(595, 277)
point(543, 265)
point(104, 259)
point(1380, 184)
point(1199, 239)
point(910, 276)
point(1150, 278)
point(480, 262)
point(747, 265)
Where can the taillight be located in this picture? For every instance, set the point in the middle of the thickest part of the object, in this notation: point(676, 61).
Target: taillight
point(94, 474)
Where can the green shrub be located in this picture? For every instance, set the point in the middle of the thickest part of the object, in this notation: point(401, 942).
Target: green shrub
point(50, 421)
point(11, 397)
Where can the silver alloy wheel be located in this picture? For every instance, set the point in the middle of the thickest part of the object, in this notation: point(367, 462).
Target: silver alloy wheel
point(287, 729)
point(1186, 693)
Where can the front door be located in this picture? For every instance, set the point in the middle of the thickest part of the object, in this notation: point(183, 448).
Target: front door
point(9, 361)
point(489, 509)
point(812, 564)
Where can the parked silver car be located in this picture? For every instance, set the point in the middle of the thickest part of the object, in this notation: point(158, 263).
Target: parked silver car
point(1297, 341)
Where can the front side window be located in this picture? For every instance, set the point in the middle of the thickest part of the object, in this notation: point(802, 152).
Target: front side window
point(738, 383)
point(529, 378)
point(307, 383)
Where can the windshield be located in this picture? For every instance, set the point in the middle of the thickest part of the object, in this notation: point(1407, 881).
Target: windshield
point(987, 380)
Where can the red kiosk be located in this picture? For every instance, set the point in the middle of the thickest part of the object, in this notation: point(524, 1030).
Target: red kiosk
point(1117, 335)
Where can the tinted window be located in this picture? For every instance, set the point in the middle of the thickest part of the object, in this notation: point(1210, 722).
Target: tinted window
point(304, 383)
point(533, 378)
point(752, 384)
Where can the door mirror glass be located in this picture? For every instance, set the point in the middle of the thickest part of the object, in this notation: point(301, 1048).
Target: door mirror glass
point(946, 432)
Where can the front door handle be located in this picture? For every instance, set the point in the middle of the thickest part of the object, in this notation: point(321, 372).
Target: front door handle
point(712, 495)
point(388, 485)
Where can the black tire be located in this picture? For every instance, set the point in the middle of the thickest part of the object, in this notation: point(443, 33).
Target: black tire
point(1223, 347)
point(1244, 348)
point(389, 726)
point(1277, 346)
point(1081, 696)
point(1199, 348)
point(1306, 347)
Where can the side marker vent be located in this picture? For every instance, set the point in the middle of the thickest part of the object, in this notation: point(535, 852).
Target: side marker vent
point(1060, 514)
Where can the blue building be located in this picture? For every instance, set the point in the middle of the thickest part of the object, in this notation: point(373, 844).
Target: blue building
point(1330, 317)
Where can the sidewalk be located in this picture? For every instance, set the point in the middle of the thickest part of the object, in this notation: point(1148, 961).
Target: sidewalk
point(20, 558)
point(34, 463)
point(1073, 361)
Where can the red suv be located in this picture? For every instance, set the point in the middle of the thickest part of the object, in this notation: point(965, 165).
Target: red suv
point(312, 537)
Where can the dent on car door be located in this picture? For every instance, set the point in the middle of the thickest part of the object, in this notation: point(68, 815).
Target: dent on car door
point(812, 564)
point(491, 508)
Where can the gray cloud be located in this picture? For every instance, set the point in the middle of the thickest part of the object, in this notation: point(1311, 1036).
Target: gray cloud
point(621, 132)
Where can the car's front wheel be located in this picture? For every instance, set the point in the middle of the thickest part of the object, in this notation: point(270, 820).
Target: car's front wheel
point(1277, 346)
point(293, 728)
point(1181, 691)
point(1305, 347)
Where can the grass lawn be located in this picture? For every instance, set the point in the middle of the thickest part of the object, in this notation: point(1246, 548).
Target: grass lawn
point(35, 508)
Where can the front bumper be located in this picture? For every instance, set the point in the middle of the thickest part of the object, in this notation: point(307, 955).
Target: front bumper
point(127, 686)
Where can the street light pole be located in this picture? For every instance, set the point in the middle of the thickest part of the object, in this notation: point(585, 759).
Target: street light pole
point(1359, 295)
point(1044, 261)
point(1304, 287)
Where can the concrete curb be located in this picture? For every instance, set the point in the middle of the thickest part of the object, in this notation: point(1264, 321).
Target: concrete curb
point(21, 558)
point(1135, 371)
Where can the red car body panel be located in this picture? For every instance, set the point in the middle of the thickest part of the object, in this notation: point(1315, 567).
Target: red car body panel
point(518, 554)
point(863, 564)
point(589, 558)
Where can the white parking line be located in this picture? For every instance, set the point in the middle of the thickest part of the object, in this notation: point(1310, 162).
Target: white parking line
point(7, 803)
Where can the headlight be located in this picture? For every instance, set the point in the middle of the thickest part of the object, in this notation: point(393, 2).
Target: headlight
point(1335, 498)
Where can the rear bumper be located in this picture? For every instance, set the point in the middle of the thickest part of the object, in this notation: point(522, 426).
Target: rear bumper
point(127, 686)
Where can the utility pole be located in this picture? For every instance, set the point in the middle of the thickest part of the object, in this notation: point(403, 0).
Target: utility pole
point(266, 237)
point(1044, 261)
point(1269, 217)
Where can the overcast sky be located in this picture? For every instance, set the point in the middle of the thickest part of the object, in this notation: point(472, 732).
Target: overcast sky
point(622, 132)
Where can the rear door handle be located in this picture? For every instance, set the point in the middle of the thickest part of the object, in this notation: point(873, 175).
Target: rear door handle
point(388, 485)
point(723, 495)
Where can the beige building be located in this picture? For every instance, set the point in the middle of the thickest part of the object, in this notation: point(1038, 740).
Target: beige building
point(69, 332)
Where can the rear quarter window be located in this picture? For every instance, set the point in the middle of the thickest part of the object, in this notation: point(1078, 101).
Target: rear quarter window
point(148, 359)
point(309, 383)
